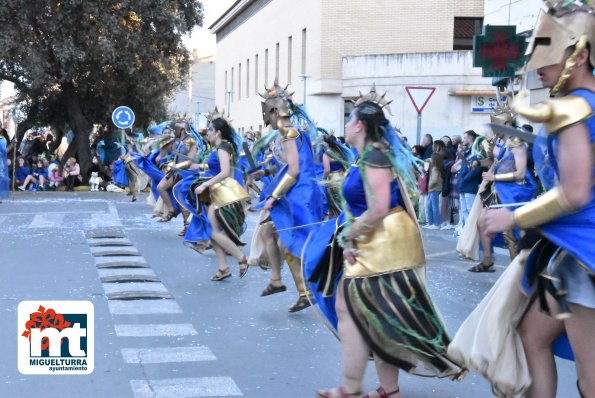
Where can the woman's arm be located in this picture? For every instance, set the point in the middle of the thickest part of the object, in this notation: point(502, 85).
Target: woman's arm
point(293, 158)
point(326, 162)
point(225, 162)
point(75, 170)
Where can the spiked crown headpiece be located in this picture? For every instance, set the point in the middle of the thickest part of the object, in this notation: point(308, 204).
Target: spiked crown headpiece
point(276, 98)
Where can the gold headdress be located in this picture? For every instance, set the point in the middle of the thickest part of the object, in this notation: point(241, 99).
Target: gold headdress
point(566, 24)
point(502, 115)
point(277, 98)
point(216, 114)
point(374, 97)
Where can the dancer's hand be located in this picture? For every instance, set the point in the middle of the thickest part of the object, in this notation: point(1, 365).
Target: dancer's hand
point(269, 204)
point(498, 220)
point(200, 189)
point(257, 175)
point(488, 176)
point(349, 253)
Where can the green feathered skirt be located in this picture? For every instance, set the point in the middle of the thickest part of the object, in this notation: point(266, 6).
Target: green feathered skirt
point(396, 316)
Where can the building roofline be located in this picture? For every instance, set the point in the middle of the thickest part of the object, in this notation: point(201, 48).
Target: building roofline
point(229, 15)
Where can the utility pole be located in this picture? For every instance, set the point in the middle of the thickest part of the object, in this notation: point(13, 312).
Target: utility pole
point(304, 77)
point(229, 94)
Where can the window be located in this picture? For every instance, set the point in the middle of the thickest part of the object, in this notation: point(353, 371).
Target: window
point(347, 109)
point(266, 67)
point(256, 74)
point(231, 91)
point(464, 30)
point(277, 62)
point(239, 81)
point(289, 48)
point(247, 78)
point(303, 51)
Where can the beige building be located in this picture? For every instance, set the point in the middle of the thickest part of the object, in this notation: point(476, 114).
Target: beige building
point(196, 97)
point(258, 40)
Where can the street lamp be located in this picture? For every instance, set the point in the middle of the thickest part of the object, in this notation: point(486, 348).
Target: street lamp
point(304, 77)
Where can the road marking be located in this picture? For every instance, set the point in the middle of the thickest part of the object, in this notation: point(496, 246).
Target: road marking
point(101, 251)
point(440, 254)
point(150, 330)
point(185, 388)
point(47, 220)
point(121, 261)
point(167, 354)
point(141, 307)
point(99, 220)
point(134, 286)
point(104, 272)
point(2, 219)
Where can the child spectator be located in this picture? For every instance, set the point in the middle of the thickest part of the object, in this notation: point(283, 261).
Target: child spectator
point(56, 178)
point(21, 172)
point(72, 174)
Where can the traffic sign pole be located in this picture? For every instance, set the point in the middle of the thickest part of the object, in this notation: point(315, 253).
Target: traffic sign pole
point(419, 96)
point(418, 128)
point(123, 118)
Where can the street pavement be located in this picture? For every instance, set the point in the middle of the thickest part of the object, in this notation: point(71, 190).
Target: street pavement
point(209, 339)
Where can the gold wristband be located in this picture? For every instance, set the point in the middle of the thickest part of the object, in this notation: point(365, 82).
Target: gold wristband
point(183, 165)
point(547, 207)
point(504, 177)
point(203, 166)
point(286, 183)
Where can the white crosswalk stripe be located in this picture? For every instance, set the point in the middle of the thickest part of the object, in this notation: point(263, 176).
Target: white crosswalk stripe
point(47, 220)
point(185, 388)
point(140, 307)
point(2, 219)
point(167, 354)
point(151, 330)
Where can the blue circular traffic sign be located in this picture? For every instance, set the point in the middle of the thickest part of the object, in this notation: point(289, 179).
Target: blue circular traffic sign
point(123, 117)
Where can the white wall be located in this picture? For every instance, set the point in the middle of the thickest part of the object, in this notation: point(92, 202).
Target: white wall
point(446, 71)
point(522, 13)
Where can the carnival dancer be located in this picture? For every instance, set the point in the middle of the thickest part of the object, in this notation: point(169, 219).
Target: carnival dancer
point(556, 269)
point(506, 182)
point(184, 145)
point(4, 173)
point(294, 200)
point(382, 303)
point(134, 174)
point(336, 159)
point(216, 198)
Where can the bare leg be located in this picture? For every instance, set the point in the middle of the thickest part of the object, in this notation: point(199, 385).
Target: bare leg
point(219, 237)
point(538, 331)
point(221, 256)
point(354, 350)
point(486, 246)
point(163, 187)
point(388, 375)
point(272, 250)
point(581, 328)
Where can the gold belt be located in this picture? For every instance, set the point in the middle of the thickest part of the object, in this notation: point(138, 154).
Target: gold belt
point(227, 192)
point(393, 246)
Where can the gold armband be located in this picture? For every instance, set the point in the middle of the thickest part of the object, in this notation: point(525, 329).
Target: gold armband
point(555, 113)
point(287, 133)
point(203, 166)
point(547, 207)
point(286, 183)
point(183, 165)
point(504, 177)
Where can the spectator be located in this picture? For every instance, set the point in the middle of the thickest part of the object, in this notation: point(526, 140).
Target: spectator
point(56, 178)
point(21, 172)
point(469, 177)
point(435, 182)
point(34, 177)
point(94, 174)
point(450, 150)
point(422, 184)
point(426, 143)
point(72, 174)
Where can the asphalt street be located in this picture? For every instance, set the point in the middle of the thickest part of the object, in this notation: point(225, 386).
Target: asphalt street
point(209, 339)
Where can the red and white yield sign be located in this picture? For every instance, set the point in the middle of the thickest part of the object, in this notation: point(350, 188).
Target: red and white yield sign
point(420, 96)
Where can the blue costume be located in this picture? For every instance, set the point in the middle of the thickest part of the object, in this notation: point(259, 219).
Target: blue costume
point(4, 175)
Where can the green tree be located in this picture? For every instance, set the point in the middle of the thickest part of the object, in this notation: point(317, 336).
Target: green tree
point(74, 61)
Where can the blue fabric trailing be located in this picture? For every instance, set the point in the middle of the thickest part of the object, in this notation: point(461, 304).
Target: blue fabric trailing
point(158, 128)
